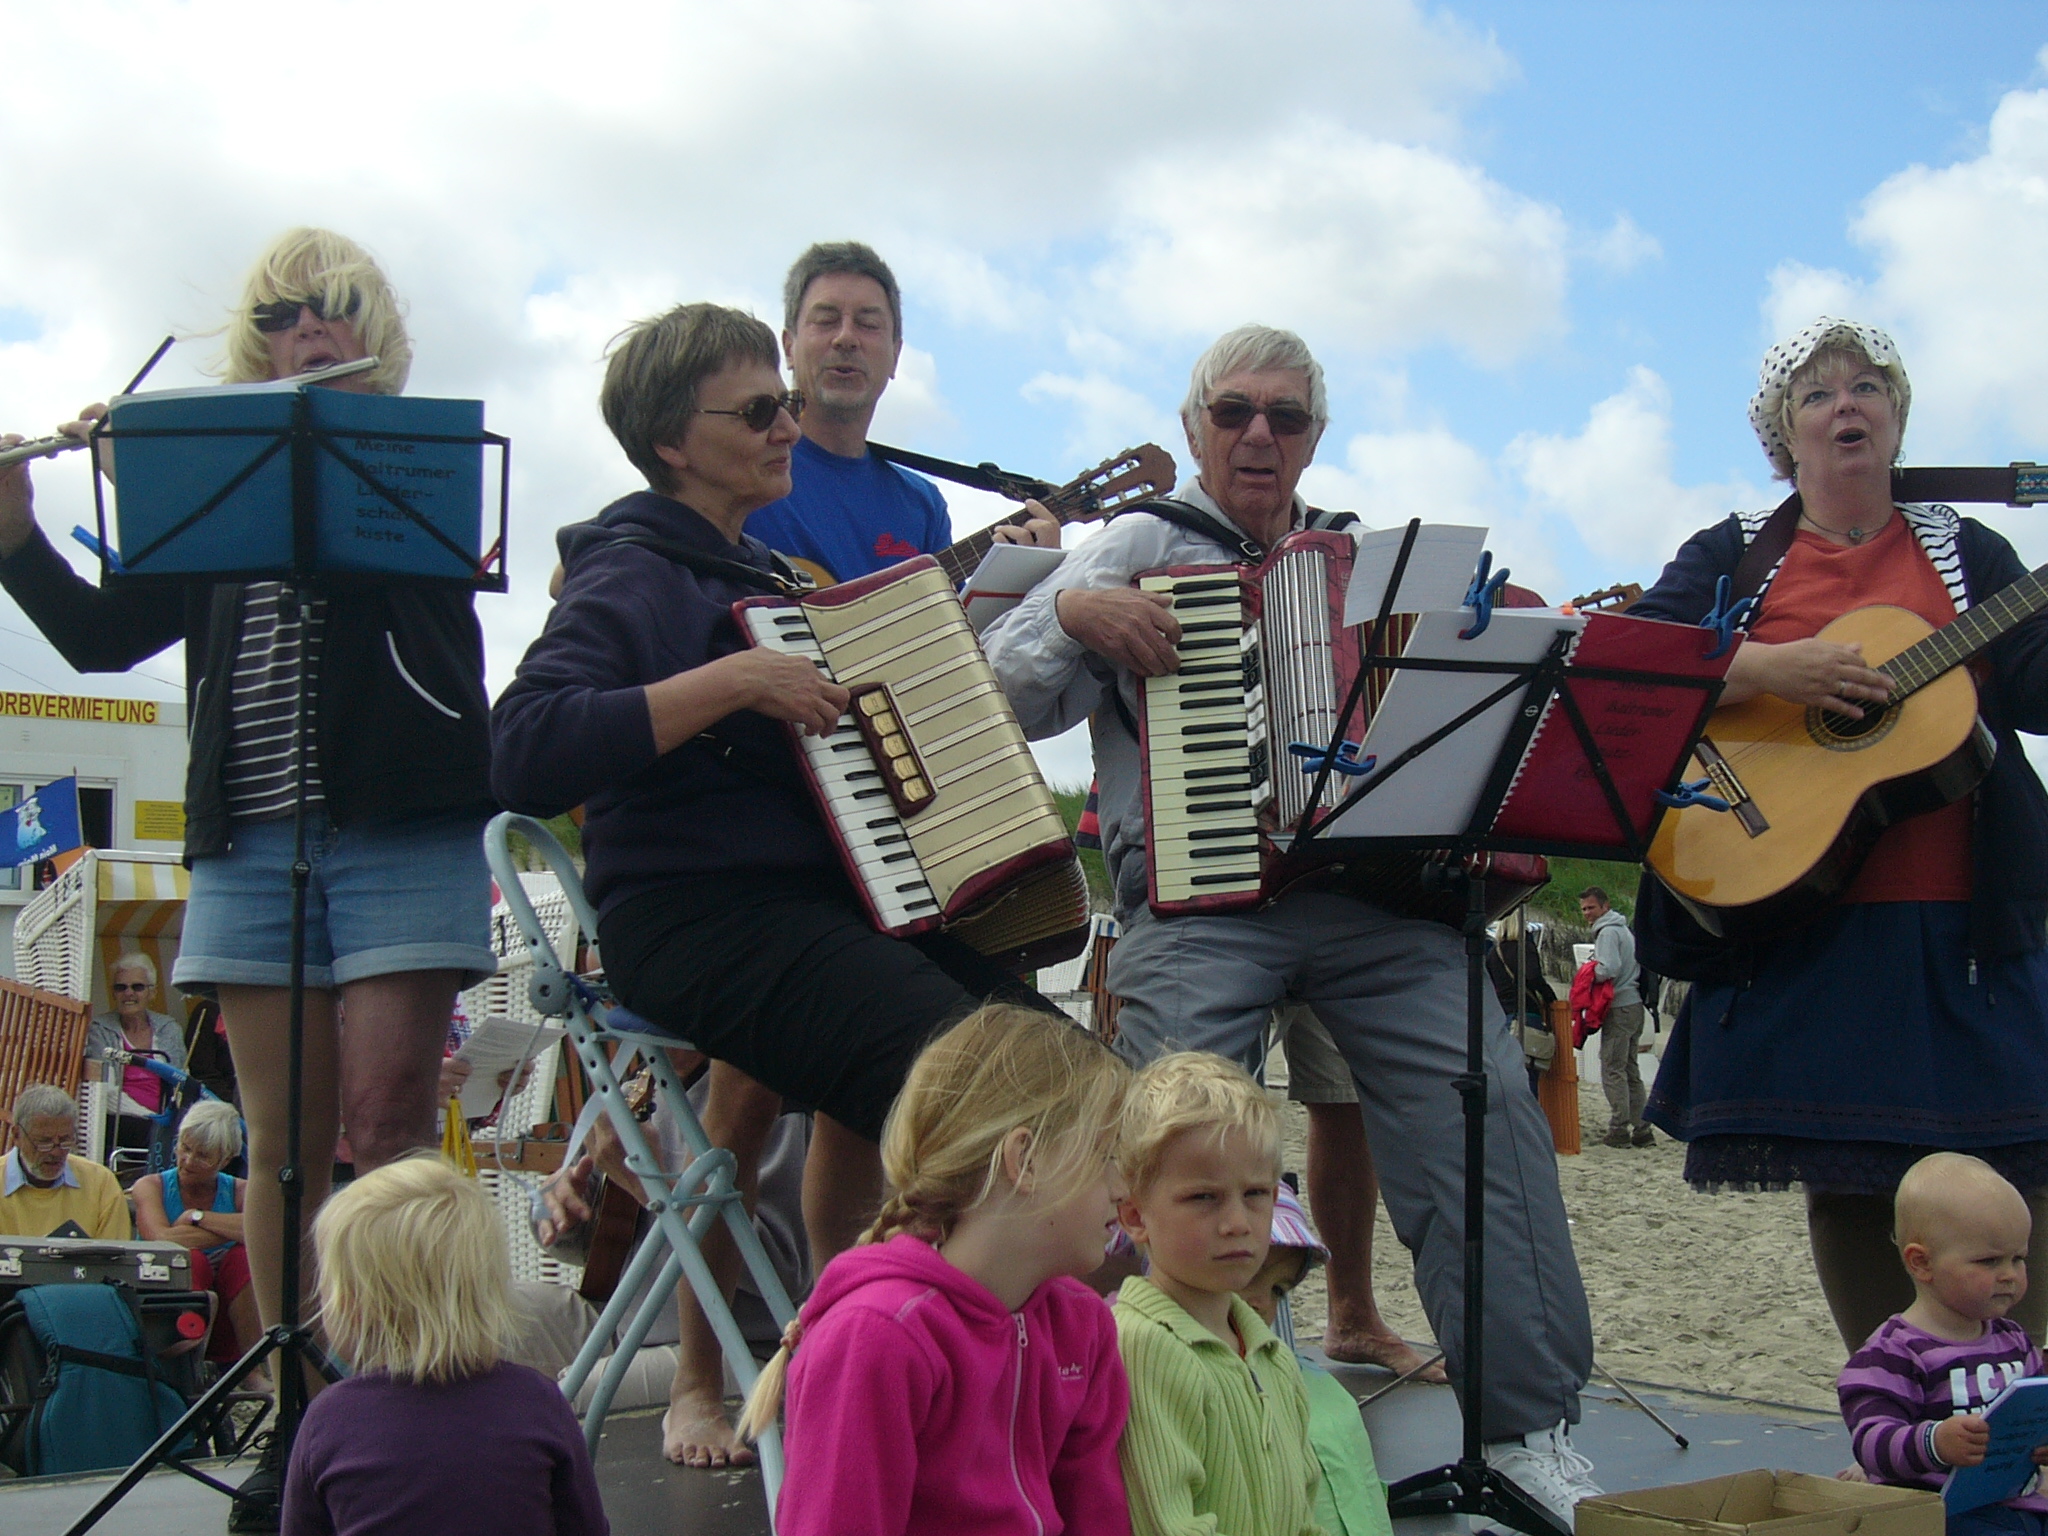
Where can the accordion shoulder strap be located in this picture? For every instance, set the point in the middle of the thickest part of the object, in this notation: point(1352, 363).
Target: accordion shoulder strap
point(1229, 535)
point(781, 578)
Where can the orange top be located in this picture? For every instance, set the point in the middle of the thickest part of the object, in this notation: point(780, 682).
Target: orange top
point(1924, 858)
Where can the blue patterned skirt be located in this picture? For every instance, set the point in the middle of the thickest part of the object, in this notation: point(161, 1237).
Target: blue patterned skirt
point(1866, 1040)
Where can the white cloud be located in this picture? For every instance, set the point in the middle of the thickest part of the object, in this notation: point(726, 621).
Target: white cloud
point(1623, 246)
point(1109, 416)
point(1612, 482)
point(1360, 243)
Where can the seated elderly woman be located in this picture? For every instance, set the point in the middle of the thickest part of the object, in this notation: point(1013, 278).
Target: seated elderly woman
point(133, 1026)
point(199, 1207)
point(725, 916)
point(1912, 1014)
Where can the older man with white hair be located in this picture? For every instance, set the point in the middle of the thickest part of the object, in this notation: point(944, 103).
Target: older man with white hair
point(1390, 989)
point(43, 1185)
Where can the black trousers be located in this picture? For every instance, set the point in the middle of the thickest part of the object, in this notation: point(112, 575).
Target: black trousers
point(778, 973)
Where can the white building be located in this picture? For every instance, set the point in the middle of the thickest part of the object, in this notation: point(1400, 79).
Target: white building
point(129, 755)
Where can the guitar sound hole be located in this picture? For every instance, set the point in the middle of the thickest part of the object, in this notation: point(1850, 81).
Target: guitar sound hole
point(1841, 734)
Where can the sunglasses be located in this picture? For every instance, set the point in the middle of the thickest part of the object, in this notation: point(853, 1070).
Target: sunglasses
point(131, 986)
point(283, 314)
point(1232, 412)
point(759, 413)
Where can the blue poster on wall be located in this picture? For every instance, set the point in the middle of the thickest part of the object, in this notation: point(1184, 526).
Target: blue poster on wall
point(42, 825)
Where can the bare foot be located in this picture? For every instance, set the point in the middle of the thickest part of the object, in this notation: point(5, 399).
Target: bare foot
point(1386, 1350)
point(695, 1432)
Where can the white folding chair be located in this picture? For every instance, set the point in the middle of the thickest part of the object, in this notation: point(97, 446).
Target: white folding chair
point(684, 1204)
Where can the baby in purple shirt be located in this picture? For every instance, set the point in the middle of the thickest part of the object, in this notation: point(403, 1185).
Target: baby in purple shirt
point(1913, 1395)
point(435, 1433)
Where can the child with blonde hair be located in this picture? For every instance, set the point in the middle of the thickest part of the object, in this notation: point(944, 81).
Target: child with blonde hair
point(1218, 1435)
point(1914, 1394)
point(436, 1431)
point(952, 1373)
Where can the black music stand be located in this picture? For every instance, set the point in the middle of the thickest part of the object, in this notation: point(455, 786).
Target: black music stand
point(1469, 1486)
point(291, 1338)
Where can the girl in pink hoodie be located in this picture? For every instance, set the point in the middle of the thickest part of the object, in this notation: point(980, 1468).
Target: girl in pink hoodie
point(952, 1373)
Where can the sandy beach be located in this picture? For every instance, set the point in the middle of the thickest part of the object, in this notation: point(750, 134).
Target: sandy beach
point(1710, 1293)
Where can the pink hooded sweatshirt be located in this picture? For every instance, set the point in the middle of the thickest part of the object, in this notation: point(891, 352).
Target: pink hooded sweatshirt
point(918, 1403)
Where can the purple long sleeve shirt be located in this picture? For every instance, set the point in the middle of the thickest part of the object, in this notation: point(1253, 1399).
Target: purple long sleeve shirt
point(499, 1452)
point(1904, 1378)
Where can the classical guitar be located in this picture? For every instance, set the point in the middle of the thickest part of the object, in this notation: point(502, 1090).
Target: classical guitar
point(1809, 790)
point(1135, 475)
point(614, 1211)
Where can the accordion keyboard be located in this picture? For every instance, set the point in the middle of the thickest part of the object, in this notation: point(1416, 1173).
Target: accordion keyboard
point(1207, 767)
point(877, 843)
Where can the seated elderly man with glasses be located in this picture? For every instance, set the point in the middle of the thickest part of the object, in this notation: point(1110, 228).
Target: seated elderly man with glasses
point(43, 1186)
point(1389, 989)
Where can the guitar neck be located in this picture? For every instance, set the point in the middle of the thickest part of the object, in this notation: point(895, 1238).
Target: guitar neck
point(1973, 629)
point(959, 561)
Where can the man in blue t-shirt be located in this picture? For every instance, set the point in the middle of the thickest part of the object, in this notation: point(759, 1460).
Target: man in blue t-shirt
point(850, 512)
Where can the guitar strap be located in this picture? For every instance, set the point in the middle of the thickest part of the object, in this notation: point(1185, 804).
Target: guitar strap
point(1766, 550)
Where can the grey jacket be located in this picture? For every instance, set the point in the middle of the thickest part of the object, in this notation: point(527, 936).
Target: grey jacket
point(104, 1035)
point(1614, 957)
point(1054, 683)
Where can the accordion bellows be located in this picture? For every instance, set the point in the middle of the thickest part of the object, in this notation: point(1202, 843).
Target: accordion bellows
point(987, 857)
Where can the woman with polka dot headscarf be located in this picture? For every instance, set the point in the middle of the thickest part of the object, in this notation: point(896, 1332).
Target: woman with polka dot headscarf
point(1912, 1015)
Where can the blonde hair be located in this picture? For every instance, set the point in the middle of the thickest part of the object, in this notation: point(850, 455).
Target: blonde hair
point(1000, 1069)
point(1936, 1188)
point(303, 264)
point(1191, 1091)
point(414, 1280)
point(213, 1127)
point(1842, 347)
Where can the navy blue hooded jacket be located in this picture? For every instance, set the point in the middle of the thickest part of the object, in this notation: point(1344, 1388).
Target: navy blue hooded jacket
point(2009, 855)
point(573, 727)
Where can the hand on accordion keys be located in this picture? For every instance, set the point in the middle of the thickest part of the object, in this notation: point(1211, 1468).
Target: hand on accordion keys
point(1134, 629)
point(780, 686)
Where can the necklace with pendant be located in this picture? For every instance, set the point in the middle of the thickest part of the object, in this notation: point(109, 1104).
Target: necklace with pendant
point(1854, 535)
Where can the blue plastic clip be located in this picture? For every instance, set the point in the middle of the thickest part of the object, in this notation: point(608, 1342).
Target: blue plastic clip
point(1482, 594)
point(1348, 762)
point(91, 541)
point(1689, 794)
point(1723, 618)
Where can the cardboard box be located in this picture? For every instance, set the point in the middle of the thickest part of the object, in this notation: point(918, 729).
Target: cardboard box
point(1765, 1504)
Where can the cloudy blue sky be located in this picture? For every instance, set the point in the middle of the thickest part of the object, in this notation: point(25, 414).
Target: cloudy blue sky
point(1539, 247)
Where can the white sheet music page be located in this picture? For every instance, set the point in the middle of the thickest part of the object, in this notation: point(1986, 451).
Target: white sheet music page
point(1435, 795)
point(1440, 570)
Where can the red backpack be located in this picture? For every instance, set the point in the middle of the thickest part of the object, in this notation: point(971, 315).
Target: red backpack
point(1589, 1003)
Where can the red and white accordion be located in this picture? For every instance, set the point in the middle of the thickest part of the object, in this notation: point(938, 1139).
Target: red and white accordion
point(928, 786)
point(1266, 662)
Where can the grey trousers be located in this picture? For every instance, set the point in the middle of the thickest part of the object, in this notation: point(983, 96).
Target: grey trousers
point(1621, 1075)
point(1391, 992)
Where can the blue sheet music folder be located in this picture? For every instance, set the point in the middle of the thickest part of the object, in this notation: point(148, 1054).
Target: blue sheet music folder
point(215, 437)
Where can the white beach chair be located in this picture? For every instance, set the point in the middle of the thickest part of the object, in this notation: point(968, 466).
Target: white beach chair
point(684, 1204)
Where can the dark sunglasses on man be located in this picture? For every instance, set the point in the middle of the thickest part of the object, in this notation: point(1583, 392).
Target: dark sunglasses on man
point(1230, 412)
point(758, 414)
point(283, 314)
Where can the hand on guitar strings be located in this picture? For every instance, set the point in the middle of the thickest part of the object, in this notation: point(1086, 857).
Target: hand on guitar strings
point(566, 1195)
point(1041, 528)
point(1811, 672)
point(1134, 629)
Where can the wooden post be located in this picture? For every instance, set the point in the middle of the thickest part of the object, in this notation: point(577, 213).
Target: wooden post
point(1560, 1085)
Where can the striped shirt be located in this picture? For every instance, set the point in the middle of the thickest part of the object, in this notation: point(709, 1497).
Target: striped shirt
point(1214, 1442)
point(264, 707)
point(1904, 1379)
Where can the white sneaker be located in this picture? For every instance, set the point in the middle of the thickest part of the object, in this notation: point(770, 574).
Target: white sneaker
point(1546, 1466)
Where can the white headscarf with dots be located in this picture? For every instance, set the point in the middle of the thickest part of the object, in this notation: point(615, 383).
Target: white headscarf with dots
point(1791, 354)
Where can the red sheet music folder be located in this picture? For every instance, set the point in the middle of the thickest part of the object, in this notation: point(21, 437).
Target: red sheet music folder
point(1640, 727)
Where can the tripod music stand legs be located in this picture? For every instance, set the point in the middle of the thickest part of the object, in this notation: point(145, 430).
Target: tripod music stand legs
point(1468, 1486)
point(290, 1338)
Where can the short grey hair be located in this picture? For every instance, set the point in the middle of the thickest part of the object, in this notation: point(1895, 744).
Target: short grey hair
point(214, 1128)
point(655, 367)
point(836, 256)
point(134, 960)
point(1254, 349)
point(43, 1101)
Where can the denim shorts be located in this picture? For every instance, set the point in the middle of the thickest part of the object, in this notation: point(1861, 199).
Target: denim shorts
point(388, 896)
